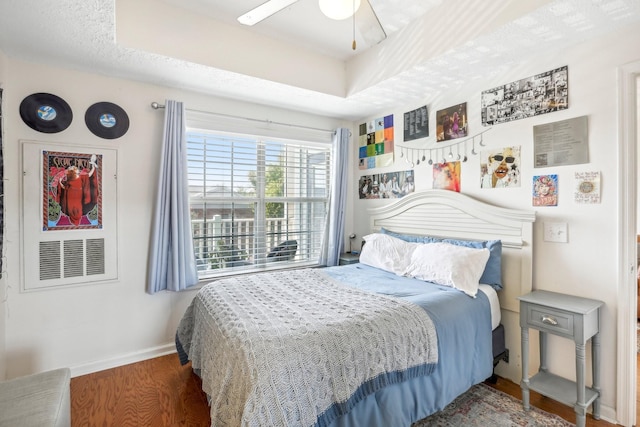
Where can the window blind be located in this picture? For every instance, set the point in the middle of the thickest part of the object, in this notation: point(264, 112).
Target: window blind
point(256, 203)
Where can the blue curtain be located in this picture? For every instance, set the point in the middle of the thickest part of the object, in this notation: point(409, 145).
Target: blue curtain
point(172, 264)
point(334, 236)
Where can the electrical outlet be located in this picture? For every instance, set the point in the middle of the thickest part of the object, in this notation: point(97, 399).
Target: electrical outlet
point(555, 232)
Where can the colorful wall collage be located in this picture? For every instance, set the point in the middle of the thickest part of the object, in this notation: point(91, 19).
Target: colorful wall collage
point(375, 140)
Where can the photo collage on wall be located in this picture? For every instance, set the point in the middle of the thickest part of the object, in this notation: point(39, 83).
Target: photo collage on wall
point(387, 185)
point(375, 141)
point(539, 94)
point(499, 167)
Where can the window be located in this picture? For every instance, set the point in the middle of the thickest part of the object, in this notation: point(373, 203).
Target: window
point(256, 203)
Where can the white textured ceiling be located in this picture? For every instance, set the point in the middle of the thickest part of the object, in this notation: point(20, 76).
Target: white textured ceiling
point(82, 34)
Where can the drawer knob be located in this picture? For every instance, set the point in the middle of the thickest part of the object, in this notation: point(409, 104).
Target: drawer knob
point(549, 320)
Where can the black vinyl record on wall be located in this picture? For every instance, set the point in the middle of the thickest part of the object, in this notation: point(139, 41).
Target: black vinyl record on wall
point(46, 113)
point(107, 120)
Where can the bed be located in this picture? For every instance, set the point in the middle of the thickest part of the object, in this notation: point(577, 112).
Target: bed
point(357, 344)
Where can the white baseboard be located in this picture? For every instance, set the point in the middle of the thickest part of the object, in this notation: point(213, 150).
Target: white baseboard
point(125, 359)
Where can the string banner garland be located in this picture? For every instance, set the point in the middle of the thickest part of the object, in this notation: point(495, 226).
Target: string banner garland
point(453, 151)
point(540, 94)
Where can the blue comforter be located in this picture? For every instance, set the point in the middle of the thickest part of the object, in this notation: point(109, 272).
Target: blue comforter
point(463, 326)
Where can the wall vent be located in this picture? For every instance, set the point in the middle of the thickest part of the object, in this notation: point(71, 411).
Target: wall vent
point(76, 253)
point(95, 257)
point(49, 260)
point(73, 258)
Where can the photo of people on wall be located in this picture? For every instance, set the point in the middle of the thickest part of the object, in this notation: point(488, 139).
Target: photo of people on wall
point(387, 185)
point(451, 123)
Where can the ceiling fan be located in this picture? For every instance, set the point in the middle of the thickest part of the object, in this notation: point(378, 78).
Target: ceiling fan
point(364, 17)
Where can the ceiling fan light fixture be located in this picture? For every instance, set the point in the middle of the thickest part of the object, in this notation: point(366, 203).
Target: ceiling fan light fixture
point(339, 9)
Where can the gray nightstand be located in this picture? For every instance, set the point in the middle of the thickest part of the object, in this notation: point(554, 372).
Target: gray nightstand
point(349, 258)
point(571, 317)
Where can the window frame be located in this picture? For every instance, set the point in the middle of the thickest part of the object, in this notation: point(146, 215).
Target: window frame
point(260, 200)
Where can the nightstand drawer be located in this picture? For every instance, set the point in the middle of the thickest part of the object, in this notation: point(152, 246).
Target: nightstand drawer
point(549, 320)
point(349, 258)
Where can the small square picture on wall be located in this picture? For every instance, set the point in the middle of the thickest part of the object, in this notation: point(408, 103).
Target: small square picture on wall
point(587, 187)
point(545, 190)
point(446, 176)
point(451, 123)
point(500, 168)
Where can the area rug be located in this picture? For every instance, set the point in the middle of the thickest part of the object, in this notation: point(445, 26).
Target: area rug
point(484, 406)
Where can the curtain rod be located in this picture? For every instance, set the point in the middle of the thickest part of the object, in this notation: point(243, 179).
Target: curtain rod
point(156, 106)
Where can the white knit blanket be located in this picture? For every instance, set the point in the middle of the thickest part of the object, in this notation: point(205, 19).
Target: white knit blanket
point(297, 348)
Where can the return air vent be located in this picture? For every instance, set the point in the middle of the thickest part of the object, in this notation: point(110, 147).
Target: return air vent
point(95, 256)
point(49, 260)
point(73, 258)
point(67, 261)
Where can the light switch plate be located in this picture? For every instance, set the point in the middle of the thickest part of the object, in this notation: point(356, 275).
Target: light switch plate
point(555, 232)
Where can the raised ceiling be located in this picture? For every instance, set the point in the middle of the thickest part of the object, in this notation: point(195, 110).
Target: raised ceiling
point(431, 45)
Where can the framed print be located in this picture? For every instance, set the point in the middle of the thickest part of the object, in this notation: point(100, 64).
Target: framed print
point(72, 183)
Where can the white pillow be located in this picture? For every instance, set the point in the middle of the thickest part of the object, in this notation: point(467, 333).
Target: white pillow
point(450, 265)
point(387, 253)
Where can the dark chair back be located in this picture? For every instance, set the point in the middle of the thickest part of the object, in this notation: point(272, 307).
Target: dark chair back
point(285, 251)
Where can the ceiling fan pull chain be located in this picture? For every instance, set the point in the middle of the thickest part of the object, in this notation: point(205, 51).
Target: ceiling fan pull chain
point(353, 43)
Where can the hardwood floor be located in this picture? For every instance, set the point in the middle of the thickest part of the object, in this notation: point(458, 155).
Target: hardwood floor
point(159, 392)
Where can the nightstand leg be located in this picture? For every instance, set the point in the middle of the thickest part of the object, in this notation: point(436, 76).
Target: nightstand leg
point(525, 368)
point(543, 352)
point(580, 407)
point(595, 360)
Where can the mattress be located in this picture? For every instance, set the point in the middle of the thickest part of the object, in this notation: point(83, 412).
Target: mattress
point(492, 295)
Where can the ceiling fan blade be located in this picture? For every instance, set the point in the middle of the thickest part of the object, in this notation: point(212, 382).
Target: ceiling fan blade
point(369, 25)
point(264, 11)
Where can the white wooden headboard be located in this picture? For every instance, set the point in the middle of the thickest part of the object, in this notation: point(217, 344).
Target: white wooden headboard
point(443, 213)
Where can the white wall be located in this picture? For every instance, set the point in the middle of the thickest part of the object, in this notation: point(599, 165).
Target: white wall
point(97, 326)
point(587, 265)
point(3, 285)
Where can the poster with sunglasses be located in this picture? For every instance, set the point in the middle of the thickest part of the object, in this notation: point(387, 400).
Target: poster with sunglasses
point(500, 168)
